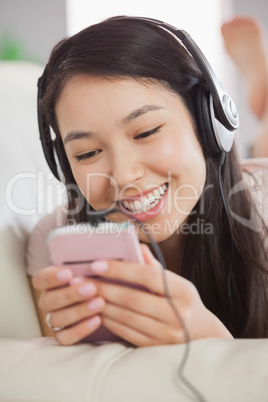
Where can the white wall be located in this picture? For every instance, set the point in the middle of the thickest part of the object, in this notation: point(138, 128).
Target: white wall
point(37, 25)
point(201, 18)
point(249, 124)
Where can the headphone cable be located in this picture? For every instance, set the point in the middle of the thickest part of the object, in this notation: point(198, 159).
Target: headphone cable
point(160, 258)
point(98, 216)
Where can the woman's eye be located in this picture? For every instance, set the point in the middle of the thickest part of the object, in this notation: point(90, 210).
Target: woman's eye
point(87, 155)
point(148, 133)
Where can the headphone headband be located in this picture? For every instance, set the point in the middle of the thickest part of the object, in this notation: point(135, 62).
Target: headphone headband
point(224, 105)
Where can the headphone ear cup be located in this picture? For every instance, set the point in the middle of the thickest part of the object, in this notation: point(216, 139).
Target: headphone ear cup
point(204, 123)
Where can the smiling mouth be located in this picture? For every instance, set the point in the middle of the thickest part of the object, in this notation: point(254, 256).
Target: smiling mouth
point(146, 202)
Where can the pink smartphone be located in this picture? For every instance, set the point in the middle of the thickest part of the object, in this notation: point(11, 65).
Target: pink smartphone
point(79, 245)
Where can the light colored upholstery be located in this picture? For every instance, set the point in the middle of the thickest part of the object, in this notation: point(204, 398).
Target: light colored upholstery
point(36, 369)
point(18, 133)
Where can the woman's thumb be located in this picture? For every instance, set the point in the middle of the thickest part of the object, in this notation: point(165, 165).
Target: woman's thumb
point(149, 258)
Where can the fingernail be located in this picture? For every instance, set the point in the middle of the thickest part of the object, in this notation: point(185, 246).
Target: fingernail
point(76, 280)
point(95, 304)
point(64, 274)
point(93, 322)
point(87, 290)
point(99, 266)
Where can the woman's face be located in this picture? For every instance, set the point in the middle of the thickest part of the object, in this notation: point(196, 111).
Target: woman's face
point(132, 144)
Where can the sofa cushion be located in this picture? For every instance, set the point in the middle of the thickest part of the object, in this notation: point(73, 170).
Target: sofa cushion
point(24, 182)
point(39, 370)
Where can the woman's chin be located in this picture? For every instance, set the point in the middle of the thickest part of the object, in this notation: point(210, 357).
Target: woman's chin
point(158, 233)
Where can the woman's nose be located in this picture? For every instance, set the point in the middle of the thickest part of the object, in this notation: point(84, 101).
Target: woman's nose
point(127, 168)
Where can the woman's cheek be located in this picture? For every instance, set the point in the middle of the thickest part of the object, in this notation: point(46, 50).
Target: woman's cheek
point(97, 189)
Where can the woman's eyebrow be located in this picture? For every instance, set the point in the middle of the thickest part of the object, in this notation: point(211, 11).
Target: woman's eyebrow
point(77, 135)
point(139, 112)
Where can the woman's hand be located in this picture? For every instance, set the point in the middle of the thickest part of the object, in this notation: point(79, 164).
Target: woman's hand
point(73, 303)
point(141, 317)
point(146, 318)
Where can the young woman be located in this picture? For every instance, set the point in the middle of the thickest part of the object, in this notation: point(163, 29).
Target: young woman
point(123, 98)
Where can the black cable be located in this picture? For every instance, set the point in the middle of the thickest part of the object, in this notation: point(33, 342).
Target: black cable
point(160, 258)
point(96, 217)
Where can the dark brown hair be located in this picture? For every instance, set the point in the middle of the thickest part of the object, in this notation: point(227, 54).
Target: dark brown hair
point(228, 267)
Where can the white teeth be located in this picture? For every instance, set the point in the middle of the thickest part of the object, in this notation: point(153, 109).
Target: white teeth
point(155, 203)
point(146, 202)
point(126, 203)
point(151, 198)
point(156, 194)
point(138, 205)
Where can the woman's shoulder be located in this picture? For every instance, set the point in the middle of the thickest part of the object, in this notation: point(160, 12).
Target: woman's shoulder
point(254, 164)
point(37, 253)
point(257, 170)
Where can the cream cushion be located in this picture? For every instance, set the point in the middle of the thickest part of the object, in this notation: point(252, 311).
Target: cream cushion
point(39, 370)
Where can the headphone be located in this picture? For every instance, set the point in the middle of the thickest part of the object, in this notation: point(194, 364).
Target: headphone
point(216, 113)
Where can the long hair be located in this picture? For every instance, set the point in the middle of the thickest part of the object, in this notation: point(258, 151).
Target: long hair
point(229, 265)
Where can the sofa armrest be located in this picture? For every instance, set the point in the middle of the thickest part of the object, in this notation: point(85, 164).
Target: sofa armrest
point(40, 370)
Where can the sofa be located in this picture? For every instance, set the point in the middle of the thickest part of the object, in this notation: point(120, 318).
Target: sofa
point(37, 369)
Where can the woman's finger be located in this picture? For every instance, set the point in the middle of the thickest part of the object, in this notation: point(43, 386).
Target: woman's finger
point(76, 333)
point(148, 304)
point(149, 258)
point(51, 277)
point(59, 298)
point(137, 328)
point(128, 334)
point(71, 315)
point(152, 277)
